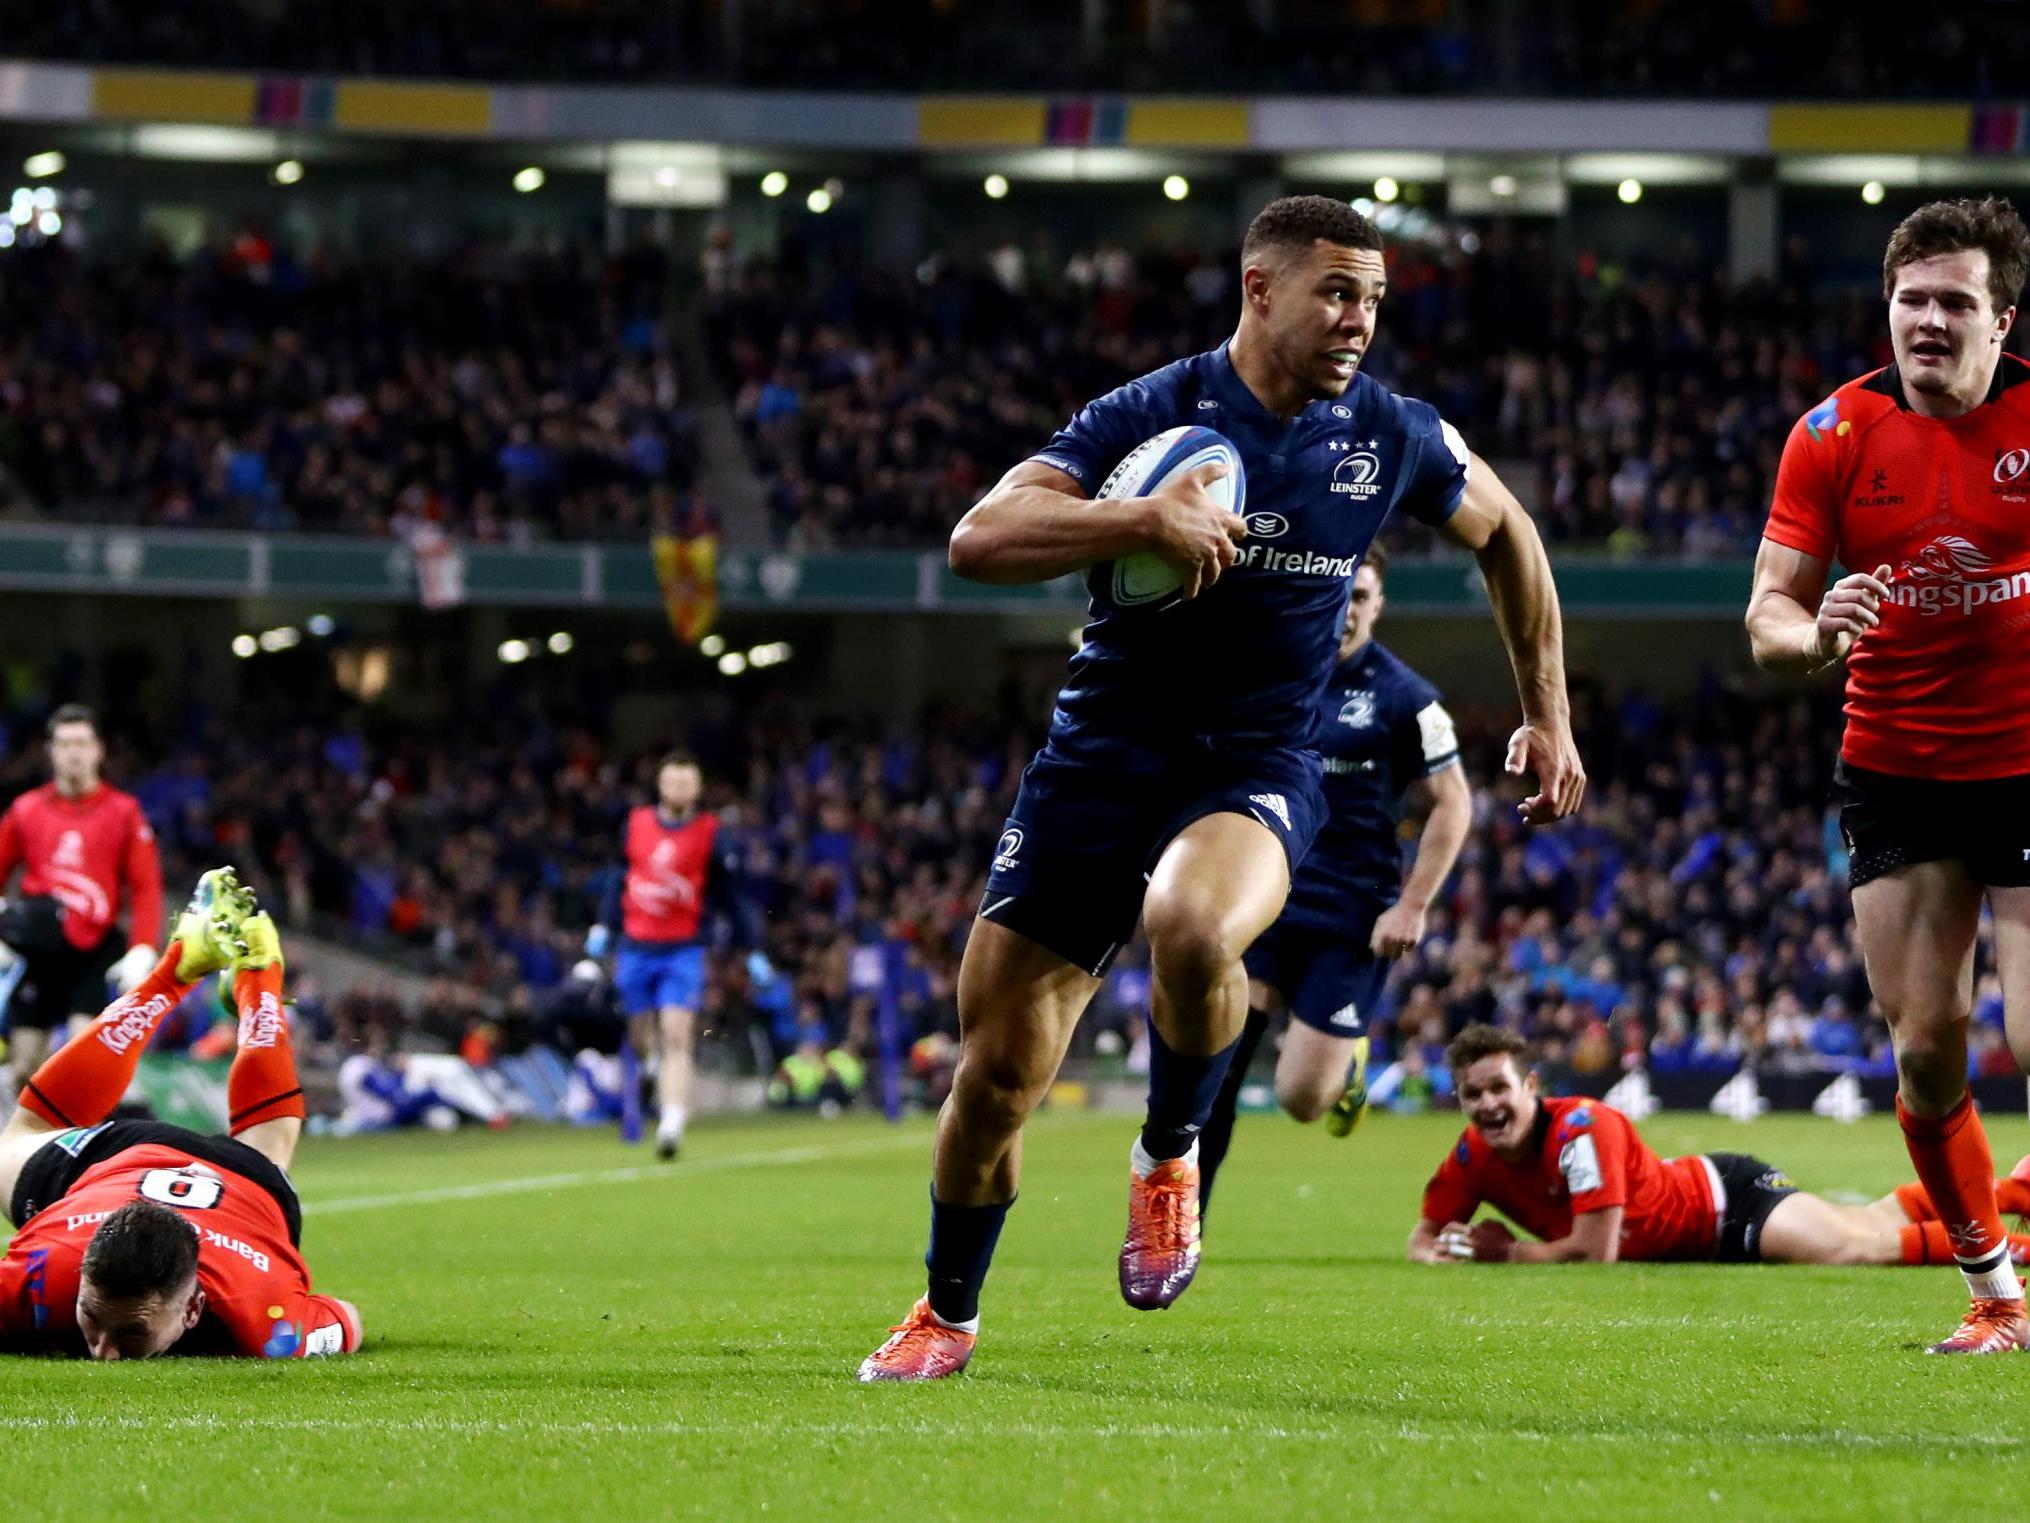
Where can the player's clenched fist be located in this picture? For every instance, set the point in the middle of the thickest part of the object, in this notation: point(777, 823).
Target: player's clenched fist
point(1851, 607)
point(1194, 533)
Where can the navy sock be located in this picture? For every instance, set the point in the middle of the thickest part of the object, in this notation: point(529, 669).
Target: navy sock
point(1181, 1094)
point(962, 1240)
point(1219, 1128)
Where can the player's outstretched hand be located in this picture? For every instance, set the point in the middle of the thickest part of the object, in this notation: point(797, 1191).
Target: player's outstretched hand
point(1195, 535)
point(1397, 930)
point(1554, 759)
point(1851, 607)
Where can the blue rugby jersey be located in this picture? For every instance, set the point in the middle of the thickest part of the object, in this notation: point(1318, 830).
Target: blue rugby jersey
point(1241, 665)
point(1380, 728)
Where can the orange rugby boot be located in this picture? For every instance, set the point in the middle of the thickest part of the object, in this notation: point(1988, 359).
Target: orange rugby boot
point(1992, 1326)
point(1160, 1254)
point(919, 1348)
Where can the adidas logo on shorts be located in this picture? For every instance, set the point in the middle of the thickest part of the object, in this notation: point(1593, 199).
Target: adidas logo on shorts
point(1275, 804)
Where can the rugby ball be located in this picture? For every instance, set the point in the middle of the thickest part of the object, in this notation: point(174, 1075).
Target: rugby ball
point(1144, 579)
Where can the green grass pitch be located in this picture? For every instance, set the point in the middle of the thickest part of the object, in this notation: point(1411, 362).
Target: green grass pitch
point(558, 1328)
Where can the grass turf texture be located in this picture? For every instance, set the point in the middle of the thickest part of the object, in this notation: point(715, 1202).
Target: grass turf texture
point(631, 1341)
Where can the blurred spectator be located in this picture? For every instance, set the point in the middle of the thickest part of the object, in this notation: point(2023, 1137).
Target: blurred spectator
point(489, 394)
point(1691, 916)
point(1642, 411)
point(382, 1090)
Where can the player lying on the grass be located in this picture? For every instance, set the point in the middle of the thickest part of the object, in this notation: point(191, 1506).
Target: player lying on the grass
point(1575, 1173)
point(138, 1237)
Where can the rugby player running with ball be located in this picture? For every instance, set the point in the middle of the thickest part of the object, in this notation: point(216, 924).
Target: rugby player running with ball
point(1177, 783)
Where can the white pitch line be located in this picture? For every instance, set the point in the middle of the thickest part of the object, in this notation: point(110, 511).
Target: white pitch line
point(632, 1174)
point(909, 1426)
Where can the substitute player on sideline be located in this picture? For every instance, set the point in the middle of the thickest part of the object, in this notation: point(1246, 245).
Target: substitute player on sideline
point(1177, 782)
point(1575, 1173)
point(1382, 731)
point(138, 1237)
point(659, 969)
point(83, 848)
point(1917, 477)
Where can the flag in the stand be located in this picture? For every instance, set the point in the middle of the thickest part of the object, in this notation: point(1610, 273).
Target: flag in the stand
point(440, 567)
point(687, 570)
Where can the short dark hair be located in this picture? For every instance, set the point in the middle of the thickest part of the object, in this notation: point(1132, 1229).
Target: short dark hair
point(1990, 224)
point(1377, 560)
point(142, 1249)
point(1297, 222)
point(1481, 1040)
point(677, 756)
point(71, 713)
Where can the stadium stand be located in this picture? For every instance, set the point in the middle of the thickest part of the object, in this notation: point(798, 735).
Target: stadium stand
point(1695, 917)
point(1803, 48)
point(498, 395)
point(251, 387)
point(1648, 407)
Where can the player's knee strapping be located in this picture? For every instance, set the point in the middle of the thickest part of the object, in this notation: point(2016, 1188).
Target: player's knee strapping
point(81, 1083)
point(262, 1085)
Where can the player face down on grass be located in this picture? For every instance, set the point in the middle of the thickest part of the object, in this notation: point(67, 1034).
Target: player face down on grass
point(138, 1293)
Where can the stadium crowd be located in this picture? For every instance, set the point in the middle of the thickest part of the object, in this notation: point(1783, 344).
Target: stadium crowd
point(1694, 916)
point(518, 397)
point(495, 395)
point(1640, 410)
point(1374, 47)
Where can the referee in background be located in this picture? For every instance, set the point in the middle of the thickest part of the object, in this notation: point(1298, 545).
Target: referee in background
point(85, 851)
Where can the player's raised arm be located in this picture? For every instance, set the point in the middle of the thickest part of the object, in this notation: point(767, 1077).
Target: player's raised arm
point(141, 872)
point(1037, 523)
point(1492, 524)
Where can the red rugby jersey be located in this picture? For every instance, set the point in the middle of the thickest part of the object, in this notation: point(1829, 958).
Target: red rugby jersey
point(666, 867)
point(1939, 689)
point(86, 853)
point(256, 1286)
point(1585, 1156)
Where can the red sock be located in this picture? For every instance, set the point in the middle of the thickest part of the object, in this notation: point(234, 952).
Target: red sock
point(1930, 1243)
point(1916, 1204)
point(83, 1080)
point(2012, 1197)
point(262, 1085)
point(1952, 1158)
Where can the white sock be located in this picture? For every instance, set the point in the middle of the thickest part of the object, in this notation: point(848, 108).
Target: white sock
point(672, 1123)
point(971, 1325)
point(1144, 1165)
point(2001, 1283)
